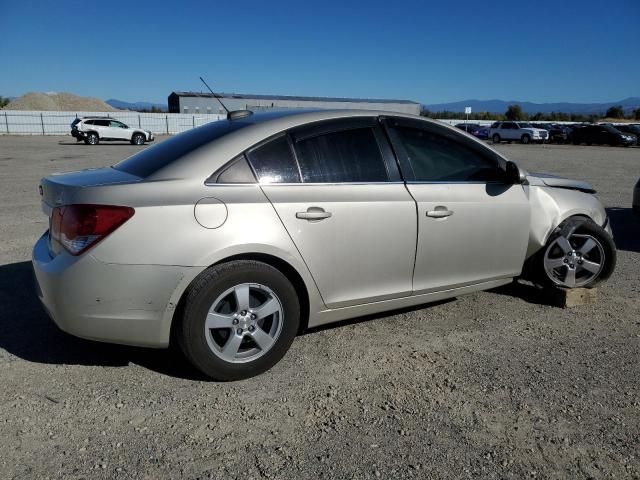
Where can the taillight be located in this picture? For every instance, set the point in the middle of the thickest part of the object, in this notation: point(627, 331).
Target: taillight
point(79, 227)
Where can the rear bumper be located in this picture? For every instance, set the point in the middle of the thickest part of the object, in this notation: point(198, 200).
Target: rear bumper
point(125, 304)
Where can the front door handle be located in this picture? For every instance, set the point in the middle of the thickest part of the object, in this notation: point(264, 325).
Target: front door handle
point(439, 212)
point(313, 213)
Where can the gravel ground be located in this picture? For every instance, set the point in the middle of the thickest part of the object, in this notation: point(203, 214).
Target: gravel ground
point(492, 385)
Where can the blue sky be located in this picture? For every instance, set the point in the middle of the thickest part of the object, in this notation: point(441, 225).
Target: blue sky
point(427, 51)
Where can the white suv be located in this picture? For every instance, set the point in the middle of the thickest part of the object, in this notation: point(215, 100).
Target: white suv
point(94, 129)
point(521, 131)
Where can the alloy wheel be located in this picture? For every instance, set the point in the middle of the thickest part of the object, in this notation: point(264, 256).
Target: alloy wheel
point(244, 322)
point(574, 261)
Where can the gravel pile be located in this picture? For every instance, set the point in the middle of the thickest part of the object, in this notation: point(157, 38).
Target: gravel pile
point(59, 102)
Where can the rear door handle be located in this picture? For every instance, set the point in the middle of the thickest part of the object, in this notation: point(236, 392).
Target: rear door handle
point(439, 212)
point(313, 213)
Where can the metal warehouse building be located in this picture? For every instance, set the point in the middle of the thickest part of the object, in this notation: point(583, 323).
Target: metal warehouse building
point(199, 103)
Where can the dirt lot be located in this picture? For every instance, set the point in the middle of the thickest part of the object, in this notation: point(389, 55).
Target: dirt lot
point(492, 385)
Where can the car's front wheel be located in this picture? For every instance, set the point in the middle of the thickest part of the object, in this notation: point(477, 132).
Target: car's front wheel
point(525, 138)
point(239, 319)
point(137, 139)
point(579, 253)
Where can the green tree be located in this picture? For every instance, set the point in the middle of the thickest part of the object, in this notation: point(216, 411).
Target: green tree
point(636, 114)
point(514, 112)
point(4, 101)
point(615, 112)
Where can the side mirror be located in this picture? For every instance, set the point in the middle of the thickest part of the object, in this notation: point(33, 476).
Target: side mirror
point(514, 174)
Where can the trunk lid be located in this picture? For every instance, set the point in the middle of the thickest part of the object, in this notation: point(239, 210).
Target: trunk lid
point(59, 188)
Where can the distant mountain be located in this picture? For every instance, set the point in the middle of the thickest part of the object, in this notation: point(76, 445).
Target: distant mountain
point(500, 106)
point(135, 106)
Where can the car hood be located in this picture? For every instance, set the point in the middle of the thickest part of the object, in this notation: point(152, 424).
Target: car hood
point(546, 180)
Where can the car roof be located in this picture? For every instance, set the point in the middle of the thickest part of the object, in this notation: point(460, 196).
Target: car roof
point(261, 126)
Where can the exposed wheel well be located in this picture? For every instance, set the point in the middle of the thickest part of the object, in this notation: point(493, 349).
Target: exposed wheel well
point(283, 266)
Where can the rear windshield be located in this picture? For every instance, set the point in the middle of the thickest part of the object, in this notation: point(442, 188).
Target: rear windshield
point(159, 156)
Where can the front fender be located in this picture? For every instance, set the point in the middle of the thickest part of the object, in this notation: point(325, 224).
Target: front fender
point(551, 206)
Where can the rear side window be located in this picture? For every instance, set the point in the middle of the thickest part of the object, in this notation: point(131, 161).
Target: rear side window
point(101, 123)
point(152, 159)
point(274, 162)
point(343, 156)
point(238, 171)
point(437, 158)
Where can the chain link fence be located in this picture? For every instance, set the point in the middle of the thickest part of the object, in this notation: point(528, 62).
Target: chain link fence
point(23, 122)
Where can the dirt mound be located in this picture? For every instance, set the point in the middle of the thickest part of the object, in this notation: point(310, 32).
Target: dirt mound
point(60, 102)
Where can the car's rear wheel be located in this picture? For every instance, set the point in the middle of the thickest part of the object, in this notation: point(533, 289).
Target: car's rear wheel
point(525, 139)
point(496, 138)
point(137, 139)
point(239, 319)
point(92, 139)
point(579, 253)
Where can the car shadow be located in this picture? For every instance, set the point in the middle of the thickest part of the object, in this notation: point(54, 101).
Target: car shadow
point(27, 333)
point(625, 225)
point(527, 292)
point(101, 144)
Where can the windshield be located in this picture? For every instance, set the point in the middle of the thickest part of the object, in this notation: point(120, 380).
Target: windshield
point(159, 156)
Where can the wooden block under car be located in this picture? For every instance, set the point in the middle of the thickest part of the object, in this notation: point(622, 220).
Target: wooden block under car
point(573, 297)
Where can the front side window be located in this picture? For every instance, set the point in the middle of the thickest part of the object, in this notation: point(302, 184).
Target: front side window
point(438, 158)
point(274, 162)
point(341, 157)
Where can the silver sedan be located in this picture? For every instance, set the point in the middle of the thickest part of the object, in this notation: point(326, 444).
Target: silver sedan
point(231, 238)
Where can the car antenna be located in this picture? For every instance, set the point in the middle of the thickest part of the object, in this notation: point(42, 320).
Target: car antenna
point(230, 115)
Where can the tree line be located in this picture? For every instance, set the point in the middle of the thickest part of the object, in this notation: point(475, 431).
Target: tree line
point(515, 112)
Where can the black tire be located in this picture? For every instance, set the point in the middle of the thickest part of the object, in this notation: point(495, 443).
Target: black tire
point(496, 138)
point(575, 141)
point(137, 139)
point(92, 139)
point(525, 139)
point(577, 225)
point(213, 282)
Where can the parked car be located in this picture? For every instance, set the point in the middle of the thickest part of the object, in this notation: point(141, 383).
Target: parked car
point(474, 129)
point(636, 198)
point(232, 237)
point(468, 127)
point(482, 133)
point(602, 135)
point(557, 133)
point(630, 129)
point(520, 131)
point(92, 130)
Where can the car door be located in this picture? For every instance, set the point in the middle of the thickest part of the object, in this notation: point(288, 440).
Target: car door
point(102, 127)
point(473, 226)
point(510, 130)
point(336, 188)
point(119, 130)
